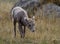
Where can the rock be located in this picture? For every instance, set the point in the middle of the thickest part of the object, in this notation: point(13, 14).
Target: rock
point(51, 9)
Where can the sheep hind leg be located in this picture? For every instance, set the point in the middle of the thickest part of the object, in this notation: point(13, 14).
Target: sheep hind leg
point(14, 28)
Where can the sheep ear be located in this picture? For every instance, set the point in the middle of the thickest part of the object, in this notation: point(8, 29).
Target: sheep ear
point(33, 17)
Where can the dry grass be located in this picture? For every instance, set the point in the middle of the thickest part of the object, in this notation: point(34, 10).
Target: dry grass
point(47, 30)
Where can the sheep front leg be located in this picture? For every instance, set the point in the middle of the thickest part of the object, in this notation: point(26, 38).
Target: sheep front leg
point(21, 30)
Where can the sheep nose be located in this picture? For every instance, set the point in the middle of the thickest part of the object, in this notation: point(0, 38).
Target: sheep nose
point(33, 31)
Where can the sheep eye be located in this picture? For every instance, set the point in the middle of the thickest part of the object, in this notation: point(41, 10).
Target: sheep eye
point(29, 25)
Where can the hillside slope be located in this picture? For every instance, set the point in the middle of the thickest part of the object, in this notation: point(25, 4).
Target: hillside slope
point(47, 28)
